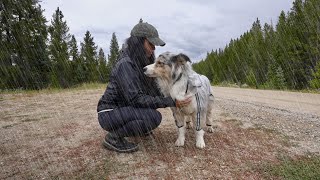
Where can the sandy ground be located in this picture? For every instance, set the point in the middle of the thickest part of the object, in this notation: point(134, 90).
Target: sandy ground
point(57, 136)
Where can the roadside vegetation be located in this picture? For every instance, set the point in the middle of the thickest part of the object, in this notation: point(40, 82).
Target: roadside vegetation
point(84, 86)
point(303, 167)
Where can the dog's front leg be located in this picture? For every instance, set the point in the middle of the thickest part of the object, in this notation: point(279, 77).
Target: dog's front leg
point(199, 121)
point(181, 136)
point(188, 122)
point(181, 129)
point(199, 139)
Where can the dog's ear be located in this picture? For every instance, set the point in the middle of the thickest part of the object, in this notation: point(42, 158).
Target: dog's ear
point(184, 57)
point(180, 59)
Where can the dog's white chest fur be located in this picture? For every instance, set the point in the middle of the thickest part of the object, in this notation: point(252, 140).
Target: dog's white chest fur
point(178, 91)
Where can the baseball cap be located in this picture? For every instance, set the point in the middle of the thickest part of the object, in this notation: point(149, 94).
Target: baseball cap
point(143, 29)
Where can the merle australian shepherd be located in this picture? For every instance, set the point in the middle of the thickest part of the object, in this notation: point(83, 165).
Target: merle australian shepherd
point(175, 78)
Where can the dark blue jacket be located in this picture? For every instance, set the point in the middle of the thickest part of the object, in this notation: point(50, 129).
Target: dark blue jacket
point(129, 86)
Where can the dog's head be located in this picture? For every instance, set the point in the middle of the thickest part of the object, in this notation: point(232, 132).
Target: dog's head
point(168, 66)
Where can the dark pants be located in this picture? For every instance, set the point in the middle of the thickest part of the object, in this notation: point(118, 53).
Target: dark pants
point(129, 121)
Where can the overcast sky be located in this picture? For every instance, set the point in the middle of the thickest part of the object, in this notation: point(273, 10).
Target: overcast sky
point(193, 27)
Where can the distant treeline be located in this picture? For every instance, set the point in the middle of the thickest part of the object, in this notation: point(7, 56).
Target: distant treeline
point(286, 56)
point(34, 55)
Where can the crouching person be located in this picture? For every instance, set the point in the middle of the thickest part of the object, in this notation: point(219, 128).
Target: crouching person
point(128, 106)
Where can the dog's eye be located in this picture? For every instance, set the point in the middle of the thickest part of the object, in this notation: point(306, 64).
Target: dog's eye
point(160, 63)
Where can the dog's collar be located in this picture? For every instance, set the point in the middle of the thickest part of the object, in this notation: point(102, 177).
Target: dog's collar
point(180, 75)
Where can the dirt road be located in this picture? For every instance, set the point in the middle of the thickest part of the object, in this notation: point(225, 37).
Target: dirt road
point(294, 114)
point(57, 136)
point(289, 101)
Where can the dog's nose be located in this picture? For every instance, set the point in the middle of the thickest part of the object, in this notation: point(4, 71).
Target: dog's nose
point(144, 69)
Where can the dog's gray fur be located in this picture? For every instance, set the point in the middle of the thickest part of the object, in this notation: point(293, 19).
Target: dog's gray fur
point(175, 78)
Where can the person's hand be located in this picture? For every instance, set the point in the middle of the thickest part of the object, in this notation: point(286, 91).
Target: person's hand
point(184, 102)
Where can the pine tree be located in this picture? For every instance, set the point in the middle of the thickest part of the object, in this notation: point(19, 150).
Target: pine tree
point(282, 53)
point(271, 77)
point(280, 79)
point(312, 12)
point(299, 36)
point(73, 49)
point(114, 53)
point(58, 51)
point(269, 41)
point(88, 57)
point(23, 45)
point(256, 45)
point(7, 70)
point(103, 72)
point(276, 79)
point(77, 66)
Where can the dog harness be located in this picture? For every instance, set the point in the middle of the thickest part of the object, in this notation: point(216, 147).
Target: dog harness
point(198, 125)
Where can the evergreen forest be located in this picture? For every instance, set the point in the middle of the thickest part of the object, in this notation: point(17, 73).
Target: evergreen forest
point(37, 53)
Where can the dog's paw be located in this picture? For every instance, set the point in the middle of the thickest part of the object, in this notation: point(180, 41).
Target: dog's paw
point(199, 139)
point(179, 142)
point(200, 144)
point(188, 125)
point(210, 129)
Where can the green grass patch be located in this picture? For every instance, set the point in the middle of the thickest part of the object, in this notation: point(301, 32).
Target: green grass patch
point(306, 167)
point(85, 86)
point(314, 91)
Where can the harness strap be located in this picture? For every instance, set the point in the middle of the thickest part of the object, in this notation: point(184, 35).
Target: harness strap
point(198, 127)
point(187, 87)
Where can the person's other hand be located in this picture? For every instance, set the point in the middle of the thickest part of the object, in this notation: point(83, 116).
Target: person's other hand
point(184, 102)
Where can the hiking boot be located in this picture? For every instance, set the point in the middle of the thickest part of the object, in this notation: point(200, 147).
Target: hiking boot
point(147, 134)
point(119, 144)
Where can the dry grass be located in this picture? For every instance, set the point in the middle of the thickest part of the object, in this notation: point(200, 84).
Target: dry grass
point(57, 136)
